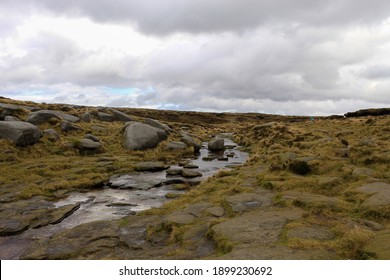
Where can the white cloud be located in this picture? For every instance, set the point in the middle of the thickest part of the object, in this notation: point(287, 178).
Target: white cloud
point(267, 56)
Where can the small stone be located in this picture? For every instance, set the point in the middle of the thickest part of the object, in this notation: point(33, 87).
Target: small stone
point(208, 158)
point(187, 173)
point(51, 134)
point(68, 126)
point(173, 172)
point(91, 137)
point(191, 166)
point(86, 117)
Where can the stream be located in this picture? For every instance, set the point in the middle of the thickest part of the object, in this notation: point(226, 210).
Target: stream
point(126, 195)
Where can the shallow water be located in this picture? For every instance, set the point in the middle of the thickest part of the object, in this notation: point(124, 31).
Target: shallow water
point(147, 190)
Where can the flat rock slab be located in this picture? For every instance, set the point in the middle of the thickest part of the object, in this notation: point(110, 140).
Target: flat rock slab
point(315, 200)
point(20, 216)
point(134, 181)
point(95, 240)
point(261, 251)
point(180, 218)
point(151, 166)
point(257, 226)
point(216, 211)
point(380, 245)
point(197, 209)
point(311, 232)
point(380, 197)
point(247, 201)
point(188, 173)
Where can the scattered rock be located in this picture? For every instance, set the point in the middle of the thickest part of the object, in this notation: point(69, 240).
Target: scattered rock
point(11, 119)
point(91, 137)
point(88, 145)
point(68, 126)
point(208, 158)
point(139, 136)
point(21, 133)
point(187, 173)
point(176, 146)
point(158, 125)
point(216, 145)
point(104, 117)
point(184, 162)
point(173, 172)
point(86, 117)
point(191, 166)
point(42, 116)
point(122, 117)
point(52, 134)
point(223, 159)
point(99, 128)
point(152, 166)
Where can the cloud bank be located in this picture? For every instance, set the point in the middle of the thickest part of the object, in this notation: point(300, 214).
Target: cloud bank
point(287, 57)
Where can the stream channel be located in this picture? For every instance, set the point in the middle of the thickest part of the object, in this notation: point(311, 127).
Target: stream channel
point(126, 195)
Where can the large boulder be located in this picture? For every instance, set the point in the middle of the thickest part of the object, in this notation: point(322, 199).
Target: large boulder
point(21, 133)
point(217, 144)
point(140, 136)
point(122, 117)
point(157, 124)
point(42, 116)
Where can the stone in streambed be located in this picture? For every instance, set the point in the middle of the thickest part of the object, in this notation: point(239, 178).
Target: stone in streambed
point(216, 144)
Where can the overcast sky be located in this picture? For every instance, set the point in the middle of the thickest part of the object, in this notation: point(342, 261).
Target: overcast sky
point(301, 57)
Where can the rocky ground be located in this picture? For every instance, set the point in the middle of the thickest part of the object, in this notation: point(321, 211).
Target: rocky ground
point(311, 189)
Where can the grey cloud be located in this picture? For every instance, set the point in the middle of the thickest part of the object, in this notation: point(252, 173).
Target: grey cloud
point(164, 17)
point(376, 72)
